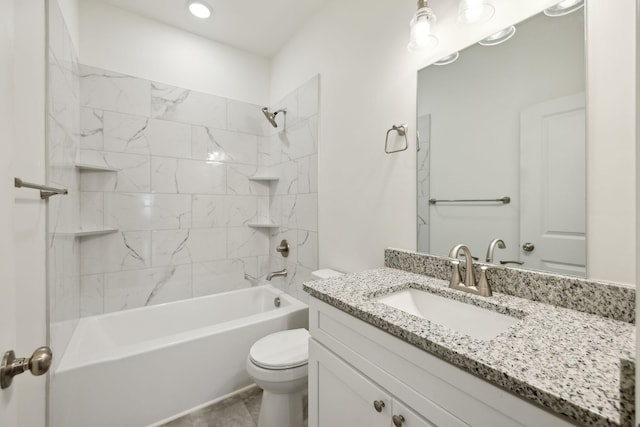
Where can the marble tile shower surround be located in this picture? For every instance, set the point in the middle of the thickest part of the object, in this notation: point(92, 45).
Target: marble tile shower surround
point(181, 197)
point(606, 299)
point(62, 144)
point(291, 153)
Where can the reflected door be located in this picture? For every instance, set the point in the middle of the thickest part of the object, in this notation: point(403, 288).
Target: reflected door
point(552, 186)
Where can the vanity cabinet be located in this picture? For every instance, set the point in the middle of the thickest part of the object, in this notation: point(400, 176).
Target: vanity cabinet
point(354, 367)
point(348, 398)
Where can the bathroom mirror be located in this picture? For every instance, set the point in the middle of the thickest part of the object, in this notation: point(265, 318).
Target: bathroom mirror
point(501, 155)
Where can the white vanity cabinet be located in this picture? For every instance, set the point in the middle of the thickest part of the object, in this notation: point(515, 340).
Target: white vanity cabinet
point(348, 398)
point(354, 367)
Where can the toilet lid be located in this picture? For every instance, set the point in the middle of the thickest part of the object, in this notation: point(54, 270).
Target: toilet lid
point(281, 350)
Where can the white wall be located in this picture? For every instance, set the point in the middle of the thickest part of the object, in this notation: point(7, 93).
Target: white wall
point(611, 139)
point(70, 11)
point(367, 199)
point(113, 39)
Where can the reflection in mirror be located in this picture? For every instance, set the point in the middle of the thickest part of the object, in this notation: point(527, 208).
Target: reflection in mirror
point(506, 124)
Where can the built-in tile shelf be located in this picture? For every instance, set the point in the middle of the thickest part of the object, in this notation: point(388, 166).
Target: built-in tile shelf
point(263, 178)
point(93, 167)
point(263, 225)
point(88, 232)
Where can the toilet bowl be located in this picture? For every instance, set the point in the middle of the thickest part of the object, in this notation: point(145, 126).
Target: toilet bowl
point(278, 363)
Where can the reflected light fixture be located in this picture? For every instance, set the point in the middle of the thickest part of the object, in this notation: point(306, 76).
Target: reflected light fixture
point(199, 9)
point(475, 11)
point(448, 59)
point(421, 37)
point(565, 7)
point(499, 37)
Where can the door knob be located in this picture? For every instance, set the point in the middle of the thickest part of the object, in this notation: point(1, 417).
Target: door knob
point(39, 363)
point(528, 247)
point(378, 405)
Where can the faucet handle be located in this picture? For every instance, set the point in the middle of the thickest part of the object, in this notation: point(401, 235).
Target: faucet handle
point(456, 278)
point(484, 289)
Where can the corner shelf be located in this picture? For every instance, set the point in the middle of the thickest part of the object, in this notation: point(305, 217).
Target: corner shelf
point(263, 225)
point(263, 178)
point(88, 232)
point(92, 167)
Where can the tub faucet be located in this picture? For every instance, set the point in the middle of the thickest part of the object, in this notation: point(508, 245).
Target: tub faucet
point(492, 248)
point(469, 285)
point(281, 273)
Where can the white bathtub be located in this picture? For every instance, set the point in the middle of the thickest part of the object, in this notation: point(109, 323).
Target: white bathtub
point(141, 366)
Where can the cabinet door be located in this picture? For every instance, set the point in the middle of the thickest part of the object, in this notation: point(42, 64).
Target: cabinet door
point(402, 416)
point(343, 397)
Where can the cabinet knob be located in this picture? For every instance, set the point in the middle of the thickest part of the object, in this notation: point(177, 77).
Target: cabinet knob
point(378, 405)
point(398, 420)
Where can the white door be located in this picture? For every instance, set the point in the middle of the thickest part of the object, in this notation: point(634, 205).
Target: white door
point(22, 213)
point(552, 186)
point(8, 405)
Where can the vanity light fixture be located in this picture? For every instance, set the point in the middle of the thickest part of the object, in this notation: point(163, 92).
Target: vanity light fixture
point(448, 59)
point(421, 37)
point(565, 7)
point(499, 37)
point(199, 9)
point(475, 11)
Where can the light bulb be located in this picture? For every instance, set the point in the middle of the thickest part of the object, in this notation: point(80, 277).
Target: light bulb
point(475, 11)
point(199, 10)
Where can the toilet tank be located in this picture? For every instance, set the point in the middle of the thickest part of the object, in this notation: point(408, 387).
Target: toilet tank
point(325, 273)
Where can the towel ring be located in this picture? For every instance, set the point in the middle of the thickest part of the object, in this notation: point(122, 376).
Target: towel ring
point(402, 131)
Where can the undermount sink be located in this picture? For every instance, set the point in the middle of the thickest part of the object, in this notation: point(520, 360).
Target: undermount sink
point(467, 319)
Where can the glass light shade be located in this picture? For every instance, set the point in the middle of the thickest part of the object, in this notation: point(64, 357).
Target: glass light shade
point(448, 59)
point(499, 37)
point(475, 11)
point(564, 8)
point(199, 10)
point(421, 38)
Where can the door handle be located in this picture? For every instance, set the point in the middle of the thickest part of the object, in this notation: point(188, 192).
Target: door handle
point(39, 363)
point(528, 247)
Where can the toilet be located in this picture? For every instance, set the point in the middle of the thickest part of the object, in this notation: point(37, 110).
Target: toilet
point(278, 363)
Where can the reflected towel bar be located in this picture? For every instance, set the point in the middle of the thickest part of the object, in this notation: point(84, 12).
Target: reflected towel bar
point(505, 200)
point(45, 192)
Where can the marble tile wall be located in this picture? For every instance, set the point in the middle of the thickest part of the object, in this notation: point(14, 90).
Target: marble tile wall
point(181, 197)
point(62, 140)
point(291, 152)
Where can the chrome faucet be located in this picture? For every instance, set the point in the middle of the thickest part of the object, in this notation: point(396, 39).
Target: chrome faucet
point(469, 285)
point(281, 273)
point(492, 248)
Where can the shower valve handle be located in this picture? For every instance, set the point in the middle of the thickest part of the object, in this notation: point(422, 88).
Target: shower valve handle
point(283, 248)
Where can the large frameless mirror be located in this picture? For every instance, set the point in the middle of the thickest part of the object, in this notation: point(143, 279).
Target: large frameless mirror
point(501, 134)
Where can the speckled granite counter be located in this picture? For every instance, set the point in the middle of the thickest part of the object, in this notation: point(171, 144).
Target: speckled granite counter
point(565, 360)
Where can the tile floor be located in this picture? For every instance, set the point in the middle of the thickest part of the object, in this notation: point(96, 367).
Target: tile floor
point(240, 410)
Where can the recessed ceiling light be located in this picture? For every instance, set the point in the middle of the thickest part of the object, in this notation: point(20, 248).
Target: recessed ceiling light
point(499, 37)
point(564, 8)
point(447, 59)
point(199, 9)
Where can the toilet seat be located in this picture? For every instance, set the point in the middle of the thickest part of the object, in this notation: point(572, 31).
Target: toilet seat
point(281, 350)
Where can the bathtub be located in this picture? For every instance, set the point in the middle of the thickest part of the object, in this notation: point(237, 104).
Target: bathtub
point(141, 366)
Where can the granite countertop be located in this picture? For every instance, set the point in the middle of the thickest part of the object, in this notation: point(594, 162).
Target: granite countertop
point(565, 360)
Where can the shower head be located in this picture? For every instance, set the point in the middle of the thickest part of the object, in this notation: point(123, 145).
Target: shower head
point(272, 116)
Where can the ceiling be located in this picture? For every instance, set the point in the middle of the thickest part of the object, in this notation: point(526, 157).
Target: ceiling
point(257, 26)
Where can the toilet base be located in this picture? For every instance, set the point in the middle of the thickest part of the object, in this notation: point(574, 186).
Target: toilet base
point(281, 410)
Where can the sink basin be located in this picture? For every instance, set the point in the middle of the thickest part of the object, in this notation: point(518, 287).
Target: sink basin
point(467, 319)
